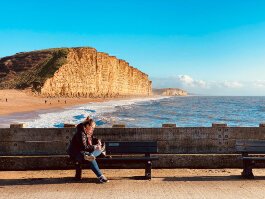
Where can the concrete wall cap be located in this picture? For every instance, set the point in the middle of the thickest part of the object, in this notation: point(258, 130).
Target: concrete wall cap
point(69, 125)
point(219, 125)
point(169, 125)
point(21, 125)
point(118, 126)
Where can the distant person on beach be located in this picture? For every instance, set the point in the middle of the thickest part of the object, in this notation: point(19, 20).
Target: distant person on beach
point(84, 148)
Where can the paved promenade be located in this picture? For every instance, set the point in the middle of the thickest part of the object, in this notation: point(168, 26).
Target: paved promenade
point(166, 183)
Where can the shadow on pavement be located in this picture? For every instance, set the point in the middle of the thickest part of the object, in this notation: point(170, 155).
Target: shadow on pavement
point(211, 178)
point(135, 178)
point(37, 181)
point(40, 181)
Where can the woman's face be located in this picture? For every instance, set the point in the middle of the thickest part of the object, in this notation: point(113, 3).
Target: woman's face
point(90, 129)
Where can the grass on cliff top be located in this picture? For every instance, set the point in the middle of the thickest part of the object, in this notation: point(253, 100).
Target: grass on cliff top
point(43, 70)
point(52, 65)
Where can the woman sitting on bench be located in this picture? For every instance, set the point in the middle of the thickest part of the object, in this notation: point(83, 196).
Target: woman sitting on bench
point(84, 148)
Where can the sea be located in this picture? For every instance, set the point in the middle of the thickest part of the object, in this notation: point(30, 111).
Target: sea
point(184, 111)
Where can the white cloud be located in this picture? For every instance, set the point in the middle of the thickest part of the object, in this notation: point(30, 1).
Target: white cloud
point(188, 81)
point(231, 84)
point(259, 84)
point(185, 79)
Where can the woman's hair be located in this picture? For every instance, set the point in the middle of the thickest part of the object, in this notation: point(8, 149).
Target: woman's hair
point(88, 122)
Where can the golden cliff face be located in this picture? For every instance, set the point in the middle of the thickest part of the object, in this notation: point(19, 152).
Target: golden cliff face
point(88, 73)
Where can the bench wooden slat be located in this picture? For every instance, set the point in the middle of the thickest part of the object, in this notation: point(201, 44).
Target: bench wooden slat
point(253, 158)
point(136, 150)
point(250, 146)
point(250, 149)
point(250, 143)
point(118, 147)
point(131, 144)
point(143, 159)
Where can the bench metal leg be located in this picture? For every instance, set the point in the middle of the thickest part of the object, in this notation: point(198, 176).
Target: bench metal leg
point(78, 171)
point(247, 169)
point(148, 170)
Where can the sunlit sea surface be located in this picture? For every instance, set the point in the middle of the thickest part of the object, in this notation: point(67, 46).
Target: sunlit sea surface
point(191, 111)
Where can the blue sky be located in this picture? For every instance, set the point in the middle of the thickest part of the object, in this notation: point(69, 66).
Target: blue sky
point(206, 47)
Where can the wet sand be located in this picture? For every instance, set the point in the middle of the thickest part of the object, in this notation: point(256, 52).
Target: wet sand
point(166, 183)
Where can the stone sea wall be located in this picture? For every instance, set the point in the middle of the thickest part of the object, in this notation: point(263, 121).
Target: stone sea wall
point(178, 147)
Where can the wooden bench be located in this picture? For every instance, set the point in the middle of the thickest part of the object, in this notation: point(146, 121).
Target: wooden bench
point(252, 153)
point(129, 152)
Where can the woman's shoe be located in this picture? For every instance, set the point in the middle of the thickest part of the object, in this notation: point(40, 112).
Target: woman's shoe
point(103, 179)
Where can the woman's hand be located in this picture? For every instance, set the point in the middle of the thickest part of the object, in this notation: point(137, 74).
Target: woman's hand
point(98, 147)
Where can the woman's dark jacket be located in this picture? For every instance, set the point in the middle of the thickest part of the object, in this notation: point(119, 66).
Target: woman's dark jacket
point(79, 142)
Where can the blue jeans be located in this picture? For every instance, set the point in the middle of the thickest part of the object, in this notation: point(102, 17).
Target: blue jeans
point(96, 153)
point(94, 165)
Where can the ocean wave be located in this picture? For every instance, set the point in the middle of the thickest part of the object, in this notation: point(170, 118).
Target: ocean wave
point(77, 114)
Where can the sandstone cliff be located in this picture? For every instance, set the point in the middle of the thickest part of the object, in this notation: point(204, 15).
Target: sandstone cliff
point(73, 72)
point(170, 92)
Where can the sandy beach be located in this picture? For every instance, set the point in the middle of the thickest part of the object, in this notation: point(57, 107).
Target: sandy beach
point(17, 101)
point(22, 105)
